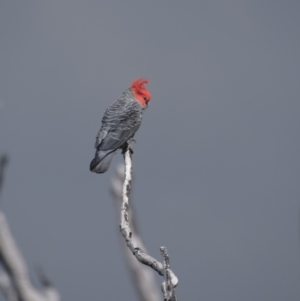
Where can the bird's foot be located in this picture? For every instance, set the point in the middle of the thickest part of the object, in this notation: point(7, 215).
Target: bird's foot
point(128, 146)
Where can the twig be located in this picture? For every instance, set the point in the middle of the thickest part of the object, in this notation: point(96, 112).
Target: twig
point(126, 232)
point(167, 286)
point(3, 164)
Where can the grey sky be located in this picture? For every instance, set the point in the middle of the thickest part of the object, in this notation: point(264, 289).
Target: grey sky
point(216, 161)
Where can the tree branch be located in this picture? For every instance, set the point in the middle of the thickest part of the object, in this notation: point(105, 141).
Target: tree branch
point(14, 280)
point(18, 272)
point(142, 278)
point(126, 232)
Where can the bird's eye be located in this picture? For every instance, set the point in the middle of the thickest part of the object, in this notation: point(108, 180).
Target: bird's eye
point(145, 98)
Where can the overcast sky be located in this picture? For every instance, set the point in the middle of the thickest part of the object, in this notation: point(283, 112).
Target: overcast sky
point(216, 161)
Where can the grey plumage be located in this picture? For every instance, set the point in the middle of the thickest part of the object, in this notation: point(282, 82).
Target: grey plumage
point(119, 124)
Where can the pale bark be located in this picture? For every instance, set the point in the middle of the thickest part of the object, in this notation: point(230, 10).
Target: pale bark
point(142, 277)
point(171, 281)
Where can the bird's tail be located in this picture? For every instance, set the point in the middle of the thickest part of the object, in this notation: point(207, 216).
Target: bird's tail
point(101, 162)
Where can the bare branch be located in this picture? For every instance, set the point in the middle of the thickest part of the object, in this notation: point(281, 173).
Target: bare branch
point(14, 278)
point(18, 271)
point(142, 278)
point(126, 232)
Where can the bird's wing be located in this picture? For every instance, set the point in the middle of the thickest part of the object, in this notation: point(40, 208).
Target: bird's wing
point(119, 123)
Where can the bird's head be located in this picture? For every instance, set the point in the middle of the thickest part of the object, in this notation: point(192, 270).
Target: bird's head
point(141, 94)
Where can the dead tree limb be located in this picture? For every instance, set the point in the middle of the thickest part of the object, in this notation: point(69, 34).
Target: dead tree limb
point(142, 277)
point(136, 250)
point(14, 278)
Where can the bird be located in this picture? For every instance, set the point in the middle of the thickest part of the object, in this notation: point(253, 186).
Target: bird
point(119, 124)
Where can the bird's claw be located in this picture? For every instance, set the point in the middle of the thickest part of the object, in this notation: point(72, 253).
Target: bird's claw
point(128, 146)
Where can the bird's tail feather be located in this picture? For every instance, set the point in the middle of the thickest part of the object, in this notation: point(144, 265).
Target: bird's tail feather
point(100, 163)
